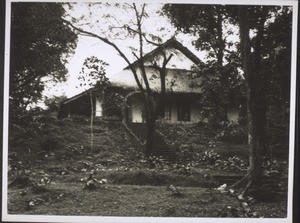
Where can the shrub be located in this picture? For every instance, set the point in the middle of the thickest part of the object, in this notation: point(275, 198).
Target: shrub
point(51, 143)
point(40, 186)
point(80, 119)
point(273, 167)
point(232, 163)
point(214, 160)
point(210, 157)
point(185, 152)
point(232, 132)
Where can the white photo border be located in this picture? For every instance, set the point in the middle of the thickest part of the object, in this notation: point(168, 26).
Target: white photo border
point(46, 218)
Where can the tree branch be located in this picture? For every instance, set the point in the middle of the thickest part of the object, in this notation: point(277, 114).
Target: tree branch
point(105, 40)
point(141, 60)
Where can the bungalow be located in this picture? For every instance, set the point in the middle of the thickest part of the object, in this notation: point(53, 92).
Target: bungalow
point(181, 97)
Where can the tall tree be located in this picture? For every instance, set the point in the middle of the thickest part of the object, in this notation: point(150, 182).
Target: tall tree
point(134, 29)
point(40, 44)
point(262, 47)
point(213, 28)
point(260, 79)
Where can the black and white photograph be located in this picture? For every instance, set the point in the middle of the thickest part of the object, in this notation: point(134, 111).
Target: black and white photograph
point(145, 111)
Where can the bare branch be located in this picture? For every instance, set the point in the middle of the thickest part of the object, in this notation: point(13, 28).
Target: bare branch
point(141, 60)
point(166, 61)
point(105, 40)
point(134, 54)
point(151, 42)
point(130, 6)
point(143, 11)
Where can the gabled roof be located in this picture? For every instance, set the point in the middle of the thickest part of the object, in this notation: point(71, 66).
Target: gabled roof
point(68, 100)
point(178, 68)
point(125, 79)
point(171, 43)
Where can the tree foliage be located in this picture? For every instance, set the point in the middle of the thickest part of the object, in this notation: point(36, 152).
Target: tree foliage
point(54, 102)
point(210, 23)
point(40, 44)
point(93, 72)
point(263, 53)
point(214, 26)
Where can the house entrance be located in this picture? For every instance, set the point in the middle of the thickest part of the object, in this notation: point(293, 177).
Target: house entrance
point(184, 111)
point(135, 111)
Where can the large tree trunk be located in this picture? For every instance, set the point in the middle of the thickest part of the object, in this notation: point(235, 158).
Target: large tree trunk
point(253, 109)
point(255, 145)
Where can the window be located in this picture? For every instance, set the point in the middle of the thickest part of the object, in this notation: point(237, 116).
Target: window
point(167, 112)
point(161, 111)
point(184, 111)
point(164, 112)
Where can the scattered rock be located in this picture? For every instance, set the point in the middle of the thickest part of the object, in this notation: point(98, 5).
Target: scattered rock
point(222, 188)
point(23, 192)
point(174, 191)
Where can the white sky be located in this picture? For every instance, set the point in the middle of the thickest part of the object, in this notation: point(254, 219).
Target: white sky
point(89, 46)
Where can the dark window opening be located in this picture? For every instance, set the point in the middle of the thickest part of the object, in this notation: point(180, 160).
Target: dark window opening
point(161, 111)
point(184, 111)
point(168, 112)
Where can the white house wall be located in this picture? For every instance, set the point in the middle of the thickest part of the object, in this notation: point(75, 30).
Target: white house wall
point(174, 113)
point(232, 114)
point(137, 108)
point(98, 108)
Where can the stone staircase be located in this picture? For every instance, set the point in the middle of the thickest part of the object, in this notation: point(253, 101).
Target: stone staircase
point(160, 148)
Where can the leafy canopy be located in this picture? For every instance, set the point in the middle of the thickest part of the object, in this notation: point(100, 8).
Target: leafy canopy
point(40, 44)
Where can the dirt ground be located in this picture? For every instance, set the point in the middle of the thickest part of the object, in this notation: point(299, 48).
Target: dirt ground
point(51, 180)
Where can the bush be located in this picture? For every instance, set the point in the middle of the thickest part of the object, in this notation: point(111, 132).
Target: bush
point(210, 157)
point(51, 143)
point(214, 160)
point(232, 132)
point(274, 167)
point(233, 163)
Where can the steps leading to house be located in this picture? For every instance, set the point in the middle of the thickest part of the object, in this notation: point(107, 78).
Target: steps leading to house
point(139, 129)
point(160, 148)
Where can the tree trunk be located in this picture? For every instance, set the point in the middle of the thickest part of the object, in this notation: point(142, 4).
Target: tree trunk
point(92, 122)
point(255, 146)
point(150, 124)
point(253, 108)
point(221, 42)
point(150, 137)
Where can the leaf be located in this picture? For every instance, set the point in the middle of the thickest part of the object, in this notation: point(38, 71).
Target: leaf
point(240, 197)
point(246, 207)
point(222, 188)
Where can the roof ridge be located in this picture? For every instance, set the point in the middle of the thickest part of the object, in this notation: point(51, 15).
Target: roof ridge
point(173, 42)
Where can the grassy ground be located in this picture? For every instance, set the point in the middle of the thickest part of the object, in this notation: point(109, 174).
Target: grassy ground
point(131, 200)
point(50, 180)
